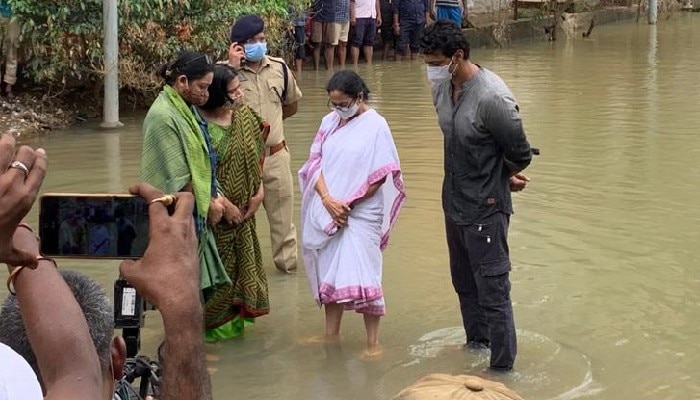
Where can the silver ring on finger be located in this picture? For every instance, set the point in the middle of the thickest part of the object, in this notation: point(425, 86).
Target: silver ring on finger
point(20, 166)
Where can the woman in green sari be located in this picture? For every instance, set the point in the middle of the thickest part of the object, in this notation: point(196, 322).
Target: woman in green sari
point(238, 135)
point(178, 155)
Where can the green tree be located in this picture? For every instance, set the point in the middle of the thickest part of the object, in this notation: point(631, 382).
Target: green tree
point(63, 38)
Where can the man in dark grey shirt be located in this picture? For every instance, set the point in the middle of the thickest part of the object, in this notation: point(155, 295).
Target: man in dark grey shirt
point(485, 150)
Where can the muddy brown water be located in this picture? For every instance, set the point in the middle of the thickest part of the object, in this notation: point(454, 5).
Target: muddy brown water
point(606, 282)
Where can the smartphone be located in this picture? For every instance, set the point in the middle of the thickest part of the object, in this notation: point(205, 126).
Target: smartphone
point(242, 48)
point(109, 226)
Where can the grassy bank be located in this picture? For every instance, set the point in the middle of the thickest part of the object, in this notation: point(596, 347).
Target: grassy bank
point(62, 39)
point(61, 54)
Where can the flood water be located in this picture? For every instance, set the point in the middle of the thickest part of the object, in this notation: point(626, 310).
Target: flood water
point(606, 281)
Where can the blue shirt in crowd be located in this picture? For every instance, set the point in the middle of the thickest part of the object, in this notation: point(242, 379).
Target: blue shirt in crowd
point(5, 9)
point(411, 11)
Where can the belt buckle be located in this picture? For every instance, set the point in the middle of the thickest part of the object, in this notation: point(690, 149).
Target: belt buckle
point(277, 148)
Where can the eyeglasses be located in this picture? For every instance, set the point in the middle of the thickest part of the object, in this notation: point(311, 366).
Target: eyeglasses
point(334, 106)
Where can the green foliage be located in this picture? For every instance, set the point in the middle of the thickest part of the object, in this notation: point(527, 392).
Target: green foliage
point(63, 38)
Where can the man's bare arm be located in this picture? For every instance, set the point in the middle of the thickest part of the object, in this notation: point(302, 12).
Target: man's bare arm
point(56, 329)
point(168, 276)
point(185, 373)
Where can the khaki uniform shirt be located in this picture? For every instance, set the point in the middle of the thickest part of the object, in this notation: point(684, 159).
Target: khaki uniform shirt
point(263, 92)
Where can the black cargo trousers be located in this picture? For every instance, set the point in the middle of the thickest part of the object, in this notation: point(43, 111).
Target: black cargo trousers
point(480, 266)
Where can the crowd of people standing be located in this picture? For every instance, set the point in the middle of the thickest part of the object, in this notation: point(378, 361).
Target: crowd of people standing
point(329, 27)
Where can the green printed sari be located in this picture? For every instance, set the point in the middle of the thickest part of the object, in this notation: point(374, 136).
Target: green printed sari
point(175, 154)
point(240, 150)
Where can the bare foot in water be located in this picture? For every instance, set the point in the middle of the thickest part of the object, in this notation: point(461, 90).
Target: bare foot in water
point(373, 352)
point(320, 339)
point(213, 358)
point(212, 370)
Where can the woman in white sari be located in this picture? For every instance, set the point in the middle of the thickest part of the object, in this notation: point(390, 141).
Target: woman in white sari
point(352, 192)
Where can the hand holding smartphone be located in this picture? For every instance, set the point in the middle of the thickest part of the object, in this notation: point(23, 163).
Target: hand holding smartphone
point(236, 55)
point(93, 226)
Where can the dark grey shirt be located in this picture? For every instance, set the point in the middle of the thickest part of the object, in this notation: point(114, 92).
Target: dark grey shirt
point(484, 144)
point(411, 11)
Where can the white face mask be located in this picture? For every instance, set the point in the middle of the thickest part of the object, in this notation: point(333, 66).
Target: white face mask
point(347, 112)
point(439, 73)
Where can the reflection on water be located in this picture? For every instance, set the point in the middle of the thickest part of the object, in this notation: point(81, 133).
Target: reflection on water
point(605, 279)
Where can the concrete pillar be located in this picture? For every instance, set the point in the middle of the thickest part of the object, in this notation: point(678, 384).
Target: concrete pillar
point(111, 63)
point(651, 84)
point(653, 11)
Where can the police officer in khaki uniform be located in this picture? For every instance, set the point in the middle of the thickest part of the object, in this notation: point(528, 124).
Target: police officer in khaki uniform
point(271, 90)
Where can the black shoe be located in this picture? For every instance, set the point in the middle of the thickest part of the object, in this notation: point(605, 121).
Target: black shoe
point(478, 345)
point(500, 370)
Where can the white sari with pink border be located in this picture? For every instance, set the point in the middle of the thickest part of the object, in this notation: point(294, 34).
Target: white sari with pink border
point(345, 265)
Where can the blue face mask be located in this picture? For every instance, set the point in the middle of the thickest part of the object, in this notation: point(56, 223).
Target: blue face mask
point(255, 51)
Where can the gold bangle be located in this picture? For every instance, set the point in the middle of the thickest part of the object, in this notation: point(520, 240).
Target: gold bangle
point(16, 270)
point(11, 279)
point(26, 226)
point(41, 258)
point(29, 228)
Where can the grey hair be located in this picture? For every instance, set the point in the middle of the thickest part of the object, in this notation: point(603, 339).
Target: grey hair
point(95, 306)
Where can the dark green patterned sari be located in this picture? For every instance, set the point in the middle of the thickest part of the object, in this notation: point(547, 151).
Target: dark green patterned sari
point(240, 151)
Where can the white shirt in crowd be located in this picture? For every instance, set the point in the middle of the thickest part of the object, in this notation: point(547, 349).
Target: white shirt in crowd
point(365, 8)
point(17, 379)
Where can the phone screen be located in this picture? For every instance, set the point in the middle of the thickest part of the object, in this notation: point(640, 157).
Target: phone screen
point(93, 226)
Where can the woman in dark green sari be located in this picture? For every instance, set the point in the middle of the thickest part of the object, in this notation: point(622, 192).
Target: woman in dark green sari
point(238, 135)
point(177, 154)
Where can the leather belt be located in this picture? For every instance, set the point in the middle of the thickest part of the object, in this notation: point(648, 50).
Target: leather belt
point(275, 148)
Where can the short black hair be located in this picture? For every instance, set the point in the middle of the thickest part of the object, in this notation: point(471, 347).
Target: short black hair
point(218, 90)
point(348, 82)
point(444, 36)
point(96, 308)
point(192, 64)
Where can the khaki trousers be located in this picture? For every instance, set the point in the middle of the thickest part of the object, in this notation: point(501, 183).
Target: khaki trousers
point(9, 35)
point(278, 203)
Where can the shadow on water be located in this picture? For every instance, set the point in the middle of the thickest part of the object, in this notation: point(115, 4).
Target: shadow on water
point(605, 281)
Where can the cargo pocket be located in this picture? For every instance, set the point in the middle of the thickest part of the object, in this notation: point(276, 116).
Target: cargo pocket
point(494, 290)
point(494, 267)
point(483, 243)
point(487, 245)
